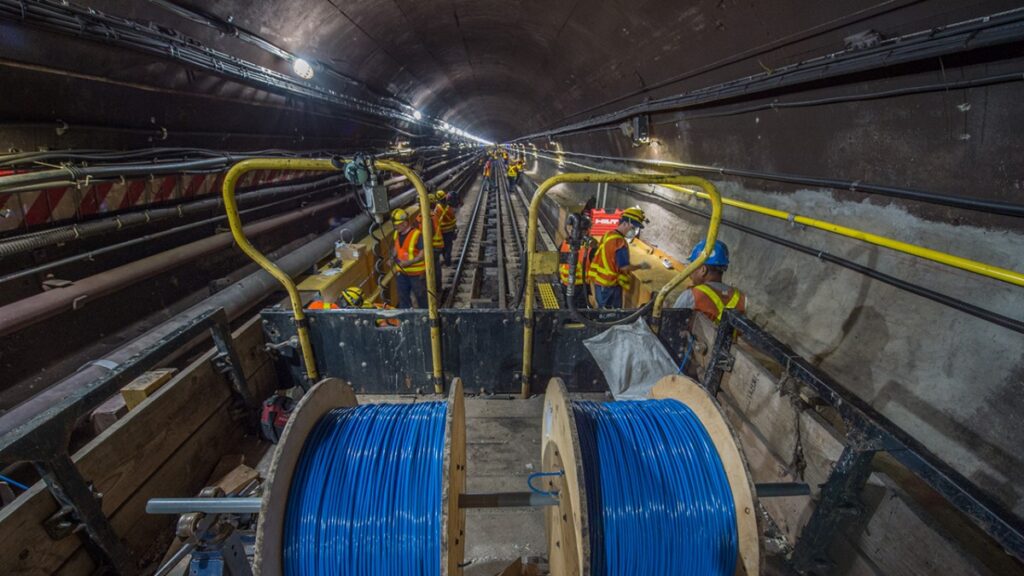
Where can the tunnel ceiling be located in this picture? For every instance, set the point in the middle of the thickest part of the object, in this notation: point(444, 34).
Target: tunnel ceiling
point(503, 68)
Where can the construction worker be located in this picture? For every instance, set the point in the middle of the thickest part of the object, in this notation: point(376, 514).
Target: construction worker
point(513, 174)
point(408, 261)
point(351, 297)
point(580, 292)
point(709, 295)
point(436, 239)
point(446, 223)
point(488, 174)
point(609, 266)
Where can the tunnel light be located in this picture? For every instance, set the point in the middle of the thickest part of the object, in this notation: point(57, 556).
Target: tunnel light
point(417, 114)
point(302, 69)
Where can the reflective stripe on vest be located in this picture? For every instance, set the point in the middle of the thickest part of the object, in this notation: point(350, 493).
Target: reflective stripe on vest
point(446, 218)
point(603, 269)
point(717, 300)
point(436, 240)
point(563, 265)
point(407, 251)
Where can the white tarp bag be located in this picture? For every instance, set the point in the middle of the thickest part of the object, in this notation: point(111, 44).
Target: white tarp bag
point(631, 358)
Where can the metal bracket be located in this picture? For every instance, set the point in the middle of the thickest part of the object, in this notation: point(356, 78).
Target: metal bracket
point(838, 504)
point(82, 513)
point(720, 360)
point(61, 523)
point(226, 362)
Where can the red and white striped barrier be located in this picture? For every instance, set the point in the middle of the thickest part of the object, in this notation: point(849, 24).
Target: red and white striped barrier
point(34, 208)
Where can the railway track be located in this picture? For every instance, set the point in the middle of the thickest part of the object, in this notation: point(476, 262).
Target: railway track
point(490, 248)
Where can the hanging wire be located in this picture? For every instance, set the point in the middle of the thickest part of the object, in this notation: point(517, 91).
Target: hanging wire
point(366, 496)
point(658, 499)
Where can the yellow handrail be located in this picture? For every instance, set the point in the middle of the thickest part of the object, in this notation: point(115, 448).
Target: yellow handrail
point(329, 165)
point(531, 243)
point(235, 222)
point(428, 259)
point(980, 268)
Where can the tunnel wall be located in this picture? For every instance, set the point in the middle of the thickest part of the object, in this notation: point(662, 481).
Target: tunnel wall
point(952, 380)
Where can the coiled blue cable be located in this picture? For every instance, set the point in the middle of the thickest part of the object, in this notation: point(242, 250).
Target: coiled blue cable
point(658, 498)
point(366, 495)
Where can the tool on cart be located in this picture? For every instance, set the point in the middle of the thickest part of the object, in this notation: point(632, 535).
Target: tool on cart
point(276, 411)
point(216, 530)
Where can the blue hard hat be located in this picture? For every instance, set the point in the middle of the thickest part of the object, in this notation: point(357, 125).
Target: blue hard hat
point(719, 256)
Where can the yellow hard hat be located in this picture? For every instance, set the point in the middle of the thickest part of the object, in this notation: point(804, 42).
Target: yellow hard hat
point(635, 216)
point(440, 195)
point(353, 296)
point(398, 216)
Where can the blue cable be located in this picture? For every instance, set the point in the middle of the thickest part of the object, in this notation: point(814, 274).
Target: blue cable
point(686, 357)
point(13, 482)
point(366, 495)
point(535, 490)
point(658, 499)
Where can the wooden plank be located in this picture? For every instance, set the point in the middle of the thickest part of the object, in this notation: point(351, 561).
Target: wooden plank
point(121, 459)
point(184, 474)
point(894, 537)
point(145, 386)
point(899, 541)
point(237, 479)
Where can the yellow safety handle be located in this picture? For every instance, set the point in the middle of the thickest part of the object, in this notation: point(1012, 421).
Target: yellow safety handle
point(618, 178)
point(329, 165)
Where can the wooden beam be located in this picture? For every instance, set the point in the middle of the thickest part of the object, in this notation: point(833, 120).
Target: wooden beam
point(122, 460)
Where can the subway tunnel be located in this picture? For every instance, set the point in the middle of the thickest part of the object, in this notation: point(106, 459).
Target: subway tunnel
point(868, 160)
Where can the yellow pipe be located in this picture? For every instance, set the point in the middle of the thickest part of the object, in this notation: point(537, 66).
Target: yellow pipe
point(428, 259)
point(980, 268)
point(235, 221)
point(531, 242)
point(966, 264)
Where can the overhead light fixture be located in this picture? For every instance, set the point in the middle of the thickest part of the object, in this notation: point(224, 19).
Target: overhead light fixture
point(302, 69)
point(417, 114)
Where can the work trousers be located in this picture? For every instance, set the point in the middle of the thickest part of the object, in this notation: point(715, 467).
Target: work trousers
point(608, 296)
point(410, 287)
point(449, 241)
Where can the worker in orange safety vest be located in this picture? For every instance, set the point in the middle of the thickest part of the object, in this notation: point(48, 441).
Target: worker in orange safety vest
point(446, 223)
point(408, 261)
point(436, 239)
point(610, 266)
point(709, 295)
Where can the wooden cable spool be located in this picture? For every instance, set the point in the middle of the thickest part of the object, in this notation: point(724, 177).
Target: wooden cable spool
point(568, 525)
point(325, 396)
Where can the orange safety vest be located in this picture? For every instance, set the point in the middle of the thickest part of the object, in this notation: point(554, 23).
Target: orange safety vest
point(563, 265)
point(407, 251)
point(436, 240)
point(382, 306)
point(322, 305)
point(487, 169)
point(712, 304)
point(603, 269)
point(445, 218)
